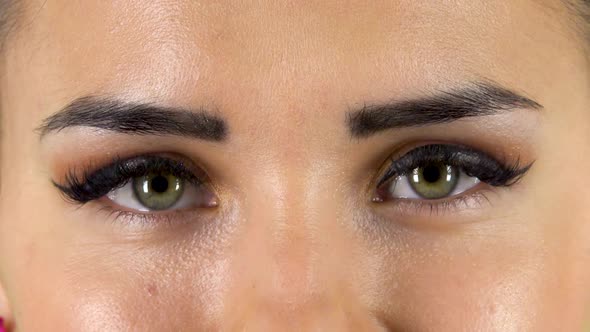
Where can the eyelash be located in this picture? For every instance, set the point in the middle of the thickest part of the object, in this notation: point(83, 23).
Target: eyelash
point(96, 184)
point(93, 185)
point(474, 163)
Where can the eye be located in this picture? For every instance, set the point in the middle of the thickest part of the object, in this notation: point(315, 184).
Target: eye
point(442, 171)
point(161, 191)
point(148, 183)
point(158, 191)
point(435, 181)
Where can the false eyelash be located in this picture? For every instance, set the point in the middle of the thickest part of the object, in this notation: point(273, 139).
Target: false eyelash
point(96, 184)
point(474, 163)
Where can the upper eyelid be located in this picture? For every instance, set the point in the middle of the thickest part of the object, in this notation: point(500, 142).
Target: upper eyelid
point(80, 190)
point(391, 172)
point(450, 149)
point(142, 161)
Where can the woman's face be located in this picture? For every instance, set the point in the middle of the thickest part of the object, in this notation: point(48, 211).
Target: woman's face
point(310, 165)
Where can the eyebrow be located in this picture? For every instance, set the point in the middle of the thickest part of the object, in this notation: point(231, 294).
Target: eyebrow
point(136, 119)
point(478, 99)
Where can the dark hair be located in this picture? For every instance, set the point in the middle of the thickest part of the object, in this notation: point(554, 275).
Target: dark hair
point(7, 21)
point(585, 12)
point(581, 8)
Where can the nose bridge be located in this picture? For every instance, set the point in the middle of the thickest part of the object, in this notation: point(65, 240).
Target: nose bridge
point(291, 277)
point(290, 235)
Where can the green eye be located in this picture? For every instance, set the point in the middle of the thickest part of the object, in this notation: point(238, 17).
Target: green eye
point(434, 181)
point(158, 191)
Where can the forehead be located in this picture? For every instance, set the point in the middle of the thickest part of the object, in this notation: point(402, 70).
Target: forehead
point(217, 51)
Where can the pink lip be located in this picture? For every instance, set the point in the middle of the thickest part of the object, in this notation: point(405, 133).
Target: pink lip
point(2, 329)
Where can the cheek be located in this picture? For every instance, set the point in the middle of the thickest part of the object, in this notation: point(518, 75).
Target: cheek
point(473, 293)
point(122, 288)
point(142, 291)
point(462, 281)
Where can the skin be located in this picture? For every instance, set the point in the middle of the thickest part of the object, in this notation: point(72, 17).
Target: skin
point(296, 242)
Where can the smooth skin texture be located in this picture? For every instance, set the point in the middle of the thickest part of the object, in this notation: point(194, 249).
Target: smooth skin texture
point(296, 242)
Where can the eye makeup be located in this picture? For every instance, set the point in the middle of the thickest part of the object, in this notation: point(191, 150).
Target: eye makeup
point(117, 182)
point(430, 168)
point(474, 163)
point(92, 185)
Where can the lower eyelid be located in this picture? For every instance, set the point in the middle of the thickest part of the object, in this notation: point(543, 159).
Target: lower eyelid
point(405, 190)
point(193, 196)
point(461, 209)
point(89, 183)
point(153, 223)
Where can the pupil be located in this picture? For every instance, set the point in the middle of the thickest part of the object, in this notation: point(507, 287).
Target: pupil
point(160, 184)
point(431, 174)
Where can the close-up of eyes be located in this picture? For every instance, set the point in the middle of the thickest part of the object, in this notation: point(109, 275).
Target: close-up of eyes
point(156, 184)
point(437, 172)
point(380, 165)
point(142, 184)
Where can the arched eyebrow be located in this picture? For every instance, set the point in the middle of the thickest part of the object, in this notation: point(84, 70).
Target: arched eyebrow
point(477, 99)
point(136, 119)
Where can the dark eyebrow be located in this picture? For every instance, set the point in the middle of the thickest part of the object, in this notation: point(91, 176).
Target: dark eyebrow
point(478, 99)
point(136, 119)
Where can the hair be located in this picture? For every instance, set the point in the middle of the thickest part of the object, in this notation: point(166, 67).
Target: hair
point(7, 20)
point(581, 9)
